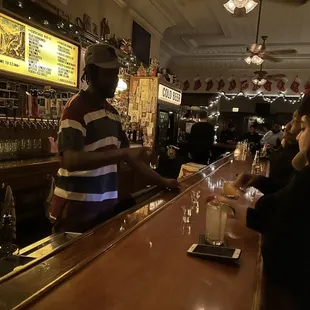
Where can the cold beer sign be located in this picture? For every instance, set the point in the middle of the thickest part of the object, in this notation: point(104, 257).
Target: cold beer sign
point(170, 95)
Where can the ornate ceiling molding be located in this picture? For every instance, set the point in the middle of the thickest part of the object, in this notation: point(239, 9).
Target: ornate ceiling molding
point(186, 63)
point(164, 11)
point(121, 3)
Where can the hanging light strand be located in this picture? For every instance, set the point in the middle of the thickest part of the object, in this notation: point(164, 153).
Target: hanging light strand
point(261, 95)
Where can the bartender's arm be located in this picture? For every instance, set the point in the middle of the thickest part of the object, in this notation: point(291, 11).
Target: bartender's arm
point(74, 158)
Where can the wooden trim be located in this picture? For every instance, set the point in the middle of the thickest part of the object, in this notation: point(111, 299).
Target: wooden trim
point(81, 252)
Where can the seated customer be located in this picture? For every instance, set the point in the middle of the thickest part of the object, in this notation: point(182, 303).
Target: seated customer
point(282, 218)
point(253, 138)
point(201, 140)
point(228, 136)
point(273, 137)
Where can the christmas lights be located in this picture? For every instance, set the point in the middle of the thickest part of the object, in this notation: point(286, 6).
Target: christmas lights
point(266, 99)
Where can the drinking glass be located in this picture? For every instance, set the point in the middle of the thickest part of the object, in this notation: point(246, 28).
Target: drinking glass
point(195, 196)
point(211, 185)
point(252, 193)
point(216, 219)
point(187, 213)
point(229, 190)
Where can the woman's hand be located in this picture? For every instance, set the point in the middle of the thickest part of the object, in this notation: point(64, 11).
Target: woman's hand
point(245, 181)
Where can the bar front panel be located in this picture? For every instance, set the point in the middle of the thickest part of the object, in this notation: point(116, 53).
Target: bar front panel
point(149, 269)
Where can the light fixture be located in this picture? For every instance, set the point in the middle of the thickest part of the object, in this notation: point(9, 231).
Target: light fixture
point(248, 60)
point(121, 86)
point(256, 60)
point(259, 81)
point(248, 5)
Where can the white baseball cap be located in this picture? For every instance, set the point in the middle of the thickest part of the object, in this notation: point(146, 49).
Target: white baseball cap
point(102, 55)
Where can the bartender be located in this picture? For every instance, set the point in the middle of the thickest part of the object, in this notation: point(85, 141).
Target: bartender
point(90, 140)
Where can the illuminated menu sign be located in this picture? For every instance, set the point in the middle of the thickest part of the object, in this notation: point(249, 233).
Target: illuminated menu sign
point(33, 53)
point(169, 95)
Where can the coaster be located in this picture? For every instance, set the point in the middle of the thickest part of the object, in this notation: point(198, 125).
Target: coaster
point(202, 240)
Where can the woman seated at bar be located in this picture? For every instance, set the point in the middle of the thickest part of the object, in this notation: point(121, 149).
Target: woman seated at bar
point(282, 217)
point(281, 167)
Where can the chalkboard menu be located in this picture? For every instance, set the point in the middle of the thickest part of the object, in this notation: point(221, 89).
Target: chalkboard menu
point(33, 53)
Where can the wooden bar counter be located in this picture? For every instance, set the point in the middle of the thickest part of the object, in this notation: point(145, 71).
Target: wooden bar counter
point(138, 260)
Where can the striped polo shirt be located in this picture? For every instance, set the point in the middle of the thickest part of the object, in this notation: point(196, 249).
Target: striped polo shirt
point(91, 127)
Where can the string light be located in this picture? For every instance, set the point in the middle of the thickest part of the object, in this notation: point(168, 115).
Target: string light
point(261, 94)
point(215, 102)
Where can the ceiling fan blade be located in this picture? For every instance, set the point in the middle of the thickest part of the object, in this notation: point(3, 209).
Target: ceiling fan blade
point(270, 58)
point(291, 2)
point(260, 72)
point(255, 48)
point(282, 52)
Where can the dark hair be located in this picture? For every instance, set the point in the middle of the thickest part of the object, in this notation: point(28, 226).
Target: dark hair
point(203, 115)
point(304, 108)
point(90, 73)
point(231, 125)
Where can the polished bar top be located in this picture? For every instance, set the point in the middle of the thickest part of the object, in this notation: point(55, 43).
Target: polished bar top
point(13, 164)
point(147, 268)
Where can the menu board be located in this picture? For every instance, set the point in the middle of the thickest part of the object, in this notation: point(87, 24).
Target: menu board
point(33, 53)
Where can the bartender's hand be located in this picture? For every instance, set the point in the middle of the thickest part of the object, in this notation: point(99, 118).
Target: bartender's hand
point(245, 181)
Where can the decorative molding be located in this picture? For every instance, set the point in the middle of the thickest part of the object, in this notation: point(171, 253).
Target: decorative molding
point(164, 11)
point(137, 17)
point(183, 63)
point(121, 3)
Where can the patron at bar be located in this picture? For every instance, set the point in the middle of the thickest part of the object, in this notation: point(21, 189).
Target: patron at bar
point(201, 139)
point(281, 167)
point(228, 136)
point(273, 137)
point(282, 217)
point(90, 144)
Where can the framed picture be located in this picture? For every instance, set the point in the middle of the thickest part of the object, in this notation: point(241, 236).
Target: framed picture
point(95, 30)
point(87, 23)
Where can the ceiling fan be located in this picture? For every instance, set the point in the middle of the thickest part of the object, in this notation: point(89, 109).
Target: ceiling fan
point(258, 53)
point(261, 77)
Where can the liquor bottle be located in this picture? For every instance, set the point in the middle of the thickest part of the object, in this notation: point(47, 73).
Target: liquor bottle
point(256, 164)
point(134, 135)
